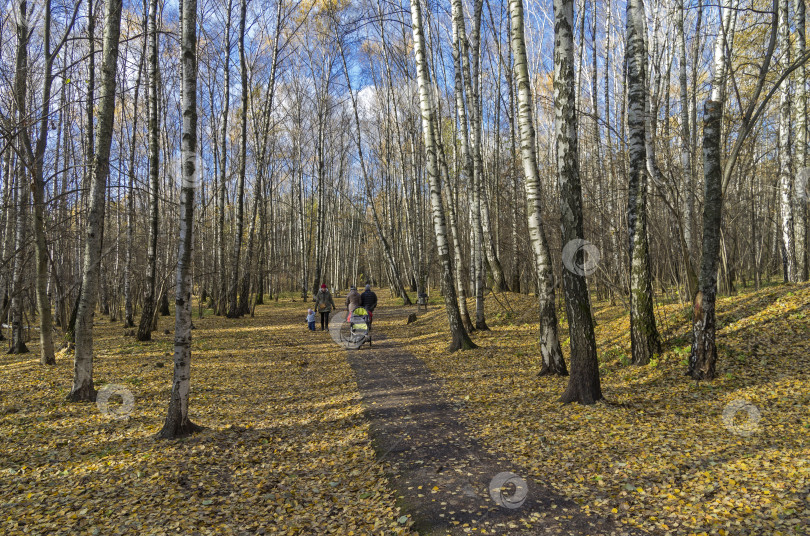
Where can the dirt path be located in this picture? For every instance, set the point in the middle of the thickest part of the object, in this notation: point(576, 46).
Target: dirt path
point(445, 480)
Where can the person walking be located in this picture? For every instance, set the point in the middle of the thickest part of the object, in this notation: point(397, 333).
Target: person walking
point(352, 300)
point(324, 305)
point(368, 300)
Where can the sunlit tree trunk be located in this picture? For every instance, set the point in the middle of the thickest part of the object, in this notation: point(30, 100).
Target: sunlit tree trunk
point(460, 339)
point(785, 176)
point(645, 341)
point(704, 352)
point(177, 422)
point(583, 386)
point(467, 171)
point(550, 351)
point(83, 389)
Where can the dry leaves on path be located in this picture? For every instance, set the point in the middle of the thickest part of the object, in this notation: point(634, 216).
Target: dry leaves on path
point(659, 455)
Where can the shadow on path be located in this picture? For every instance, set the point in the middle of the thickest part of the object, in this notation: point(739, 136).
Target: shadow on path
point(445, 479)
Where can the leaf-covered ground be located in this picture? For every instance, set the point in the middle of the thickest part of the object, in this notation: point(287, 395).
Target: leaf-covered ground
point(659, 454)
point(285, 450)
point(286, 447)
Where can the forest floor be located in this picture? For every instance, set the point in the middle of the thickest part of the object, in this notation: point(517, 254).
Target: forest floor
point(288, 446)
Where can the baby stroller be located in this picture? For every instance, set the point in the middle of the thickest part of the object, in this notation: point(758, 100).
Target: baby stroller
point(359, 332)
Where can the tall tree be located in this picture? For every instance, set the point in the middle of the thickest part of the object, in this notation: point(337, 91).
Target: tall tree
point(36, 167)
point(785, 144)
point(177, 421)
point(148, 311)
point(583, 385)
point(645, 341)
point(233, 308)
point(18, 345)
point(550, 351)
point(460, 339)
point(129, 314)
point(222, 294)
point(800, 159)
point(83, 389)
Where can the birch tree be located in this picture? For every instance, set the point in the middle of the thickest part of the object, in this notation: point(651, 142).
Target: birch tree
point(800, 160)
point(785, 143)
point(20, 96)
point(584, 385)
point(645, 341)
point(233, 308)
point(460, 339)
point(177, 421)
point(148, 311)
point(550, 351)
point(83, 389)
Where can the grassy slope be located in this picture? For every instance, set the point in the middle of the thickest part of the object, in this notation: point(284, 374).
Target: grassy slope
point(658, 455)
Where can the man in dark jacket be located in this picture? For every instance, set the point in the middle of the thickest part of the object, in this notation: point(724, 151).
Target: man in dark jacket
point(368, 301)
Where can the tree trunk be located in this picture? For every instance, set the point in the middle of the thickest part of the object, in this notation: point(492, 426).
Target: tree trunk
point(129, 314)
point(460, 339)
point(785, 179)
point(222, 297)
point(177, 423)
point(20, 95)
point(233, 308)
point(704, 352)
point(83, 389)
point(583, 385)
point(800, 161)
point(686, 155)
point(644, 338)
point(550, 350)
point(148, 311)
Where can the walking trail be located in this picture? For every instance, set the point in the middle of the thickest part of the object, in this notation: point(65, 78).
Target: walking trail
point(446, 481)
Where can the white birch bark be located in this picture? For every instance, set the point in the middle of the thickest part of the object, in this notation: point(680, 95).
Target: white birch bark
point(550, 351)
point(645, 341)
point(147, 313)
point(785, 144)
point(460, 339)
point(801, 186)
point(584, 385)
point(83, 389)
point(177, 422)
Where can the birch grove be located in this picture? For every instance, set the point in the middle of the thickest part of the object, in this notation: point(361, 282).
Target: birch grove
point(233, 153)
